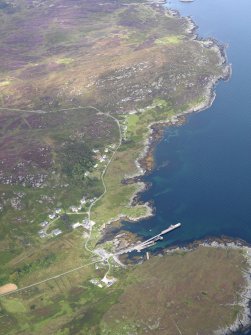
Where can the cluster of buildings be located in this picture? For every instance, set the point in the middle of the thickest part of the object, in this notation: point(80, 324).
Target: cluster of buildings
point(83, 202)
point(45, 224)
point(42, 233)
point(86, 223)
point(75, 209)
point(96, 282)
point(55, 214)
point(103, 282)
point(55, 232)
point(101, 158)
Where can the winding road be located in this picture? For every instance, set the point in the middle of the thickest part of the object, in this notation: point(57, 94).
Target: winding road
point(91, 205)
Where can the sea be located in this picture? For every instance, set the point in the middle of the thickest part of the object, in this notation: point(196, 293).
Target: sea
point(202, 176)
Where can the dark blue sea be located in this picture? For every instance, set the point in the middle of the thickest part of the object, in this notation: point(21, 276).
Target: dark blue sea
point(203, 168)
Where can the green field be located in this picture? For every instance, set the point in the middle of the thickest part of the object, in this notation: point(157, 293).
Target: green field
point(198, 291)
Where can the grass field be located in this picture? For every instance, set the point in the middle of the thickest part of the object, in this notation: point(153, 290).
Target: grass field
point(196, 291)
point(169, 40)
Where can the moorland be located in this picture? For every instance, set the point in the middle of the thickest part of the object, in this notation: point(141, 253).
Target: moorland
point(82, 84)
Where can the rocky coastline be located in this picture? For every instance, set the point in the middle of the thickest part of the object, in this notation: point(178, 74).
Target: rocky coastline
point(145, 164)
point(243, 321)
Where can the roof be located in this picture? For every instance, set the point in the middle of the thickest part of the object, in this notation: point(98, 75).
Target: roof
point(56, 232)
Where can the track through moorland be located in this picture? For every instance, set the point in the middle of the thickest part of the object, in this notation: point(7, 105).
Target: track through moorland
point(101, 259)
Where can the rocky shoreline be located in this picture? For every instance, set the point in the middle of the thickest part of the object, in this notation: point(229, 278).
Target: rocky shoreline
point(243, 321)
point(145, 164)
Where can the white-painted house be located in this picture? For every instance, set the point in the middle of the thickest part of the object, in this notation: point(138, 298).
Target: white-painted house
point(76, 225)
point(56, 232)
point(52, 216)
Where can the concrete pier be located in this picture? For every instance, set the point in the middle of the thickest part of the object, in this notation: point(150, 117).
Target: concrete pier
point(150, 242)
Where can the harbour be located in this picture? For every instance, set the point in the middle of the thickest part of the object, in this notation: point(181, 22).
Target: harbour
point(202, 175)
point(149, 242)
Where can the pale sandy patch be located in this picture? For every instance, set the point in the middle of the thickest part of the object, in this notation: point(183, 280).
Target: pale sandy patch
point(8, 288)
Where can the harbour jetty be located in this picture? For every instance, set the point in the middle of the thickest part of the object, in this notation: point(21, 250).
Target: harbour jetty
point(150, 242)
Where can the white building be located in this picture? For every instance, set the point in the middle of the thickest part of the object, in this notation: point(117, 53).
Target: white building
point(42, 233)
point(86, 224)
point(109, 281)
point(58, 210)
point(96, 282)
point(44, 223)
point(56, 232)
point(83, 201)
point(76, 225)
point(74, 209)
point(52, 216)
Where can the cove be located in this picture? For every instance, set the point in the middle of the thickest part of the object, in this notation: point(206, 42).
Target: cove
point(202, 176)
point(203, 168)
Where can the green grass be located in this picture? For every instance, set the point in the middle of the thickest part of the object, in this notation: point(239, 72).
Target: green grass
point(135, 212)
point(173, 287)
point(201, 286)
point(120, 327)
point(5, 83)
point(115, 201)
point(132, 121)
point(64, 61)
point(13, 306)
point(173, 39)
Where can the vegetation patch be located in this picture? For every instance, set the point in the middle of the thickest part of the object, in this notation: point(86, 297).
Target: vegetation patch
point(197, 291)
point(169, 40)
point(85, 86)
